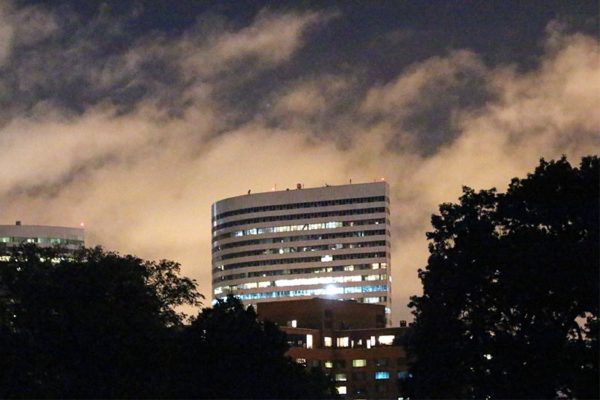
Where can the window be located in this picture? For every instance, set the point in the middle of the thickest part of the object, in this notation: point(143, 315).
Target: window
point(380, 375)
point(359, 376)
point(309, 341)
point(382, 362)
point(343, 342)
point(301, 361)
point(342, 389)
point(328, 364)
point(327, 342)
point(340, 377)
point(359, 363)
point(339, 363)
point(386, 339)
point(403, 375)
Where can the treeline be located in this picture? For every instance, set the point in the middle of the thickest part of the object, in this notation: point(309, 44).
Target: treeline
point(510, 304)
point(97, 324)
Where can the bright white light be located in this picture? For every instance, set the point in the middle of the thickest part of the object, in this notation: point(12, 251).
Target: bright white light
point(331, 290)
point(487, 356)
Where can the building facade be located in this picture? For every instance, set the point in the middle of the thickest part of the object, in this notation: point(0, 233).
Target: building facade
point(348, 340)
point(70, 239)
point(332, 242)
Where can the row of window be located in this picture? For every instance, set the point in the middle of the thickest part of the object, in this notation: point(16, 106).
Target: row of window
point(40, 240)
point(314, 270)
point(291, 206)
point(275, 261)
point(289, 217)
point(326, 291)
point(323, 280)
point(301, 249)
point(358, 363)
point(322, 236)
point(345, 341)
point(300, 227)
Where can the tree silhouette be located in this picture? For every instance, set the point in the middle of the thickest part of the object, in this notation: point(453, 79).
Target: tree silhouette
point(96, 324)
point(89, 325)
point(232, 354)
point(510, 293)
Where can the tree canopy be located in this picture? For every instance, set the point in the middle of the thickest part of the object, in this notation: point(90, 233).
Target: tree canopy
point(511, 289)
point(242, 357)
point(96, 324)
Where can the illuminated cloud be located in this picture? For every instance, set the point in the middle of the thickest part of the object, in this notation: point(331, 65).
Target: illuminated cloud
point(139, 143)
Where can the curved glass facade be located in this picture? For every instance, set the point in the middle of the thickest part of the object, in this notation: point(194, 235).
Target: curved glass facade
point(331, 242)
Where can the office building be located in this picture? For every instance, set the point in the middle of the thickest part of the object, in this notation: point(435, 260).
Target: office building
point(69, 239)
point(348, 340)
point(332, 242)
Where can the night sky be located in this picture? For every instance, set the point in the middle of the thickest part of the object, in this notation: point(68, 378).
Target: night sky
point(135, 116)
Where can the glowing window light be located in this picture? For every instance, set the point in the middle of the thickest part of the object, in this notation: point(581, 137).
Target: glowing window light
point(359, 363)
point(386, 339)
point(309, 341)
point(332, 290)
point(380, 375)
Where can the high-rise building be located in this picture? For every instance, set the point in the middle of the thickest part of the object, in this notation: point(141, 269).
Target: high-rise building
point(69, 239)
point(331, 242)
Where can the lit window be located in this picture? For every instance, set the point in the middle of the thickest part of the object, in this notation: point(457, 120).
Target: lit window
point(327, 342)
point(341, 389)
point(386, 339)
point(343, 342)
point(309, 341)
point(328, 364)
point(301, 361)
point(380, 375)
point(293, 323)
point(340, 377)
point(359, 363)
point(326, 258)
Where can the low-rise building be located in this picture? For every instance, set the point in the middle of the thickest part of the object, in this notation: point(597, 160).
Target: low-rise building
point(348, 340)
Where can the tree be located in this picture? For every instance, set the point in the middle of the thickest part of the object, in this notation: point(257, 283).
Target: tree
point(510, 293)
point(230, 353)
point(93, 324)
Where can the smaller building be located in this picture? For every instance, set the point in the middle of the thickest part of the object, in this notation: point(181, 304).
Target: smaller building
point(348, 340)
point(67, 238)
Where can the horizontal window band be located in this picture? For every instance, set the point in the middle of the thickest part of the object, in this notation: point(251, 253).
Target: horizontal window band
point(291, 206)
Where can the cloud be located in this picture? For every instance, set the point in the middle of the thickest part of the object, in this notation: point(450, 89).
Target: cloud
point(143, 177)
point(268, 41)
point(6, 31)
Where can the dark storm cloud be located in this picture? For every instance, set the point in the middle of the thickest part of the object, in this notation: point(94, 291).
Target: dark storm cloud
point(136, 127)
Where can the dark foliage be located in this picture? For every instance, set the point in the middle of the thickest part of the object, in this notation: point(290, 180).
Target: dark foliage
point(99, 325)
point(510, 301)
point(231, 354)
